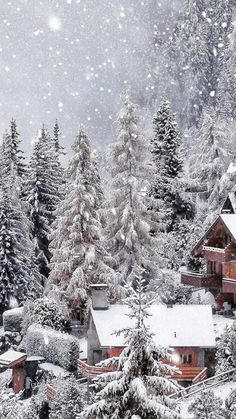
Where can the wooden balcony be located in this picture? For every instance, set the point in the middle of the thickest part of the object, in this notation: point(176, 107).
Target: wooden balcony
point(201, 280)
point(191, 374)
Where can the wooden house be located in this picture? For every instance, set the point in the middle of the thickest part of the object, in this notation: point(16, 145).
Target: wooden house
point(178, 327)
point(218, 249)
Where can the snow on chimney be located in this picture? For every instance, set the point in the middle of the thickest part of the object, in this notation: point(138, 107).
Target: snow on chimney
point(99, 296)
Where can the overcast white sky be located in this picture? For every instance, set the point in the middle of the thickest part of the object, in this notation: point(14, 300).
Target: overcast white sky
point(71, 60)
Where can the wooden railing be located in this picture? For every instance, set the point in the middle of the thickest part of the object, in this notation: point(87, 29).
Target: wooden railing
point(51, 392)
point(204, 385)
point(92, 370)
point(201, 376)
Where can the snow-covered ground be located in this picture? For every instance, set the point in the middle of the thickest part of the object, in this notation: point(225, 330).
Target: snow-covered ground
point(222, 391)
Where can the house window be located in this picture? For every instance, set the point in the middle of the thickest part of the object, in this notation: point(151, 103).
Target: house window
point(185, 358)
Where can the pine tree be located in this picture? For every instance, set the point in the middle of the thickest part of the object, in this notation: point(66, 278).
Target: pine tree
point(213, 152)
point(56, 139)
point(43, 195)
point(13, 157)
point(175, 209)
point(79, 257)
point(129, 218)
point(140, 385)
point(207, 406)
point(56, 151)
point(166, 189)
point(19, 277)
point(198, 47)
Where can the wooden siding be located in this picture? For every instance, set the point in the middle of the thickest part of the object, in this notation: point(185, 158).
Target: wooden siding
point(229, 286)
point(229, 269)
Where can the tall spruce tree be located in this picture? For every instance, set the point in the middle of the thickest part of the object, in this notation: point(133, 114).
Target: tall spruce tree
point(13, 158)
point(167, 189)
point(56, 138)
point(140, 384)
point(197, 50)
point(13, 155)
point(43, 195)
point(79, 258)
point(130, 220)
point(213, 151)
point(19, 276)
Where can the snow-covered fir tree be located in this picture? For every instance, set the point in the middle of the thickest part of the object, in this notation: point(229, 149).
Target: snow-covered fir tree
point(79, 258)
point(130, 219)
point(13, 155)
point(225, 185)
point(197, 50)
point(13, 158)
point(56, 139)
point(56, 151)
point(207, 406)
point(19, 276)
point(140, 384)
point(213, 152)
point(167, 189)
point(43, 195)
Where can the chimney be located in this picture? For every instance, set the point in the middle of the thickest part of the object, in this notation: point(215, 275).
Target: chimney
point(99, 296)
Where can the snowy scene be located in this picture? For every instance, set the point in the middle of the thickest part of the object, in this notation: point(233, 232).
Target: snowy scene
point(118, 209)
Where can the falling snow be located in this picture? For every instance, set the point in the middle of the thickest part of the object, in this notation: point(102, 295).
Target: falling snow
point(72, 53)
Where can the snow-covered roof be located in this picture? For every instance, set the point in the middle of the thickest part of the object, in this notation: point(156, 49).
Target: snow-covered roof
point(230, 222)
point(10, 357)
point(231, 168)
point(232, 198)
point(14, 311)
point(177, 326)
point(54, 369)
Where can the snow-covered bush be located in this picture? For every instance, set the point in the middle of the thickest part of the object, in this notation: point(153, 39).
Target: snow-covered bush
point(56, 347)
point(69, 399)
point(46, 312)
point(230, 405)
point(11, 407)
point(207, 406)
point(226, 349)
point(171, 291)
point(12, 319)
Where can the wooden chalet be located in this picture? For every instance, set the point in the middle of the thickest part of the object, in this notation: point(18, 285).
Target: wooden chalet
point(178, 327)
point(218, 249)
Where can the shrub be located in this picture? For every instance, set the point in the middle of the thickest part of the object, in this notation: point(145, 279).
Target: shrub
point(69, 399)
point(56, 347)
point(46, 312)
point(207, 406)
